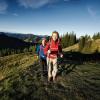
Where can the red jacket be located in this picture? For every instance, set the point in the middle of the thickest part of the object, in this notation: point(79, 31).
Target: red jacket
point(54, 47)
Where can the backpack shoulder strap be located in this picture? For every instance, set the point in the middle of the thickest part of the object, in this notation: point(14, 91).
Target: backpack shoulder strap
point(49, 42)
point(59, 41)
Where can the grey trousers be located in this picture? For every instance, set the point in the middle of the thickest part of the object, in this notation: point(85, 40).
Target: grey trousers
point(52, 70)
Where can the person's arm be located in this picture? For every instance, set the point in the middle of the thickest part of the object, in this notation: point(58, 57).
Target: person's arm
point(60, 46)
point(60, 50)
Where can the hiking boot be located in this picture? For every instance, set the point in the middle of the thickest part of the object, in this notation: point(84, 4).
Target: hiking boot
point(55, 79)
point(49, 79)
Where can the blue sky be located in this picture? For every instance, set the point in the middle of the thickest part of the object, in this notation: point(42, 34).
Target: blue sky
point(44, 16)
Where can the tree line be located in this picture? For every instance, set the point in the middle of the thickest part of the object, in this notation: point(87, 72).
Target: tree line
point(86, 41)
point(68, 39)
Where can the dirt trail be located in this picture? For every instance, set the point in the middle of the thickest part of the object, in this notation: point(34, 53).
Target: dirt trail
point(76, 81)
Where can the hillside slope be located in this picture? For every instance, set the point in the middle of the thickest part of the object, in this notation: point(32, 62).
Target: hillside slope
point(22, 80)
point(11, 42)
point(72, 48)
point(95, 46)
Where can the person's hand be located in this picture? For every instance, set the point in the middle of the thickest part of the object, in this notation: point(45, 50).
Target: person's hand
point(61, 55)
point(49, 51)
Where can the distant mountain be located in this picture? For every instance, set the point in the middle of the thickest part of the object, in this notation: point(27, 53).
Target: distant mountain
point(26, 37)
point(12, 42)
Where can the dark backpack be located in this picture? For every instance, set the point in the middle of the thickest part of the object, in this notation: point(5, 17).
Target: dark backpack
point(41, 52)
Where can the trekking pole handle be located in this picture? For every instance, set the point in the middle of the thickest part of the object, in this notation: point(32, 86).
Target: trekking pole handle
point(49, 51)
point(60, 55)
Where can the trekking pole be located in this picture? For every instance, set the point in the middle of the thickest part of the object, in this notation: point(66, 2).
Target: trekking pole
point(48, 55)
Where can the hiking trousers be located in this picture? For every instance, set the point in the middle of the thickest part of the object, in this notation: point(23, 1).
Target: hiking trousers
point(52, 67)
point(43, 65)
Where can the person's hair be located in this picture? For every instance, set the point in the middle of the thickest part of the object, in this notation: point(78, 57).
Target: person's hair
point(44, 39)
point(56, 33)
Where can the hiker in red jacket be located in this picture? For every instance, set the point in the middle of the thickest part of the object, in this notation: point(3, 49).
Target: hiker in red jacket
point(53, 49)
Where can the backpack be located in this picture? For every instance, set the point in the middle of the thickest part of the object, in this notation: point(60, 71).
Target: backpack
point(37, 49)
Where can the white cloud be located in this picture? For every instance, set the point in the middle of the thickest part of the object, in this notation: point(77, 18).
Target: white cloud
point(3, 7)
point(15, 14)
point(35, 3)
point(92, 11)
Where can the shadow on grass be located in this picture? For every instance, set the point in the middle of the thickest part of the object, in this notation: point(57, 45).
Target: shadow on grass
point(80, 57)
point(72, 59)
point(66, 69)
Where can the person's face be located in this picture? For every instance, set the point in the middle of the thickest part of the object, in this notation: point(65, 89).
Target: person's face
point(43, 42)
point(54, 36)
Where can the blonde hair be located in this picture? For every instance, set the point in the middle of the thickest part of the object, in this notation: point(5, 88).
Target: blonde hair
point(55, 33)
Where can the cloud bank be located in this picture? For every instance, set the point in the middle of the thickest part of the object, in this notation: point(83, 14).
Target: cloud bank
point(3, 7)
point(33, 3)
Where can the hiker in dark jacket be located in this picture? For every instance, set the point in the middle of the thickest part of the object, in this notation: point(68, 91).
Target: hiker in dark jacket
point(42, 57)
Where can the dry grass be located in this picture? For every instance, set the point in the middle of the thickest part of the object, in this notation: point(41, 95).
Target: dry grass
point(23, 80)
point(95, 46)
point(72, 48)
point(14, 63)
